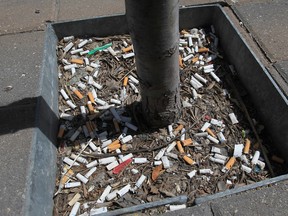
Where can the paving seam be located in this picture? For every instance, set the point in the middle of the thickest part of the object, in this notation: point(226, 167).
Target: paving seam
point(23, 32)
point(265, 54)
point(55, 10)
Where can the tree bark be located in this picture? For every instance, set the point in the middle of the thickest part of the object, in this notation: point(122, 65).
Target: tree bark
point(154, 29)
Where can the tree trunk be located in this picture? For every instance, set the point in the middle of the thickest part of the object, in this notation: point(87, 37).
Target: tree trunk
point(154, 29)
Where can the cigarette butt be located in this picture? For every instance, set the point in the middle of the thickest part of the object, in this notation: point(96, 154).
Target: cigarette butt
point(195, 59)
point(180, 148)
point(114, 145)
point(247, 146)
point(277, 159)
point(183, 32)
point(66, 177)
point(203, 49)
point(61, 131)
point(77, 61)
point(90, 107)
point(91, 98)
point(179, 128)
point(210, 132)
point(77, 93)
point(187, 142)
point(125, 81)
point(122, 166)
point(74, 199)
point(180, 61)
point(255, 157)
point(124, 147)
point(127, 49)
point(230, 163)
point(188, 160)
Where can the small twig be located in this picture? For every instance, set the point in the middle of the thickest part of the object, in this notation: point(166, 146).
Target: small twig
point(130, 71)
point(68, 92)
point(218, 55)
point(61, 186)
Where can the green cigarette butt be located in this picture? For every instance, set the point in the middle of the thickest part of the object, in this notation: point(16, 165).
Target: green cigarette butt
point(99, 48)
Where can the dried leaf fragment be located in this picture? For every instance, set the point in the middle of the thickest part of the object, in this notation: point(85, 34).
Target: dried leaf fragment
point(156, 172)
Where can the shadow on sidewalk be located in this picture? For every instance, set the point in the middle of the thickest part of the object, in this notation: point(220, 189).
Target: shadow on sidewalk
point(29, 113)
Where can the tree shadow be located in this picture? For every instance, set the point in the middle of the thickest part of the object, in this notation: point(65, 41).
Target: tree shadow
point(29, 113)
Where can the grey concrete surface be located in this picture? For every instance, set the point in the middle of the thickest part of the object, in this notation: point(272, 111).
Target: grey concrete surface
point(21, 60)
point(29, 15)
point(268, 24)
point(270, 200)
point(73, 9)
point(275, 72)
point(14, 160)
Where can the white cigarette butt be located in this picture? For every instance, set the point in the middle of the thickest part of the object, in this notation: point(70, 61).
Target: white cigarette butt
point(82, 178)
point(90, 172)
point(112, 165)
point(92, 164)
point(75, 209)
point(233, 118)
point(192, 174)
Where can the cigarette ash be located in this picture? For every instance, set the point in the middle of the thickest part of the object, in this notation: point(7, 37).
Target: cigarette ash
point(107, 159)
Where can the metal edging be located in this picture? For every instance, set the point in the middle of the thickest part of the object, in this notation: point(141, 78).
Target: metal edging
point(241, 189)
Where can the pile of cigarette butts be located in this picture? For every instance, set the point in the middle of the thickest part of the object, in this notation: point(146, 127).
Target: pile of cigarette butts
point(106, 161)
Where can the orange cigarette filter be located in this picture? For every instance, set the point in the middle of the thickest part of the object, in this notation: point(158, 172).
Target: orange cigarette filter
point(124, 147)
point(187, 142)
point(77, 93)
point(195, 59)
point(180, 147)
point(114, 147)
point(115, 142)
point(230, 163)
point(127, 49)
point(77, 61)
point(66, 177)
point(125, 81)
point(188, 160)
point(179, 128)
point(90, 107)
point(184, 32)
point(91, 98)
point(247, 146)
point(203, 49)
point(180, 61)
point(61, 131)
point(210, 132)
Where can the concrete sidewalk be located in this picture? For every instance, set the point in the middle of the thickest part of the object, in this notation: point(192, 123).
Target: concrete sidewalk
point(22, 25)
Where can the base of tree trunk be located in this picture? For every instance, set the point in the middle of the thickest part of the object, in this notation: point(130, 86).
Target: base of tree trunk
point(161, 111)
